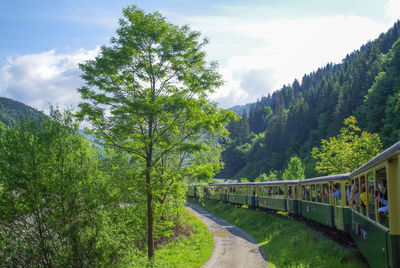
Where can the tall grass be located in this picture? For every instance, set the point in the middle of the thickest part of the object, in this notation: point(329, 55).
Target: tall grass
point(191, 251)
point(286, 242)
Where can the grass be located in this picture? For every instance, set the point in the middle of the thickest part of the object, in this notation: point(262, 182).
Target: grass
point(286, 242)
point(192, 251)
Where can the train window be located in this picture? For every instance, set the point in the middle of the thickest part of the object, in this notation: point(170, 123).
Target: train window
point(270, 191)
point(354, 199)
point(275, 191)
point(281, 191)
point(363, 196)
point(336, 194)
point(370, 196)
point(319, 193)
point(325, 193)
point(290, 192)
point(303, 192)
point(308, 193)
point(313, 193)
point(381, 197)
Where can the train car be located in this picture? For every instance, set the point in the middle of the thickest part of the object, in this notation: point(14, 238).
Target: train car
point(317, 201)
point(292, 196)
point(364, 203)
point(273, 194)
point(375, 208)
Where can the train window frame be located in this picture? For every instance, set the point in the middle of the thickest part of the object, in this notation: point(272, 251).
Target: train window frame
point(363, 206)
point(385, 224)
point(313, 193)
point(373, 170)
point(290, 192)
point(325, 186)
point(371, 202)
point(319, 192)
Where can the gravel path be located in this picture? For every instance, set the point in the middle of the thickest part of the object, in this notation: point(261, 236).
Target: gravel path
point(232, 246)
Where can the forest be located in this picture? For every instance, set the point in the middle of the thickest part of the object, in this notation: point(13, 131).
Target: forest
point(111, 201)
point(293, 120)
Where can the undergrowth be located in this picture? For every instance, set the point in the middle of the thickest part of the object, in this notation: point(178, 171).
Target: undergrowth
point(186, 250)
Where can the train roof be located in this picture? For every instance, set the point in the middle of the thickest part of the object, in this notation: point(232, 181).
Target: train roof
point(307, 181)
point(337, 177)
point(255, 183)
point(389, 152)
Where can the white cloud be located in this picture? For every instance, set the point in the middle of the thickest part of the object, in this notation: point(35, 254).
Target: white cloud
point(284, 49)
point(392, 10)
point(48, 77)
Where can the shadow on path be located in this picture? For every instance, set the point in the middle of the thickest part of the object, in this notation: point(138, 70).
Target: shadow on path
point(228, 226)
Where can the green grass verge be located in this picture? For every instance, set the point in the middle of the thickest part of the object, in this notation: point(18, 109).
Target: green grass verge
point(192, 251)
point(286, 242)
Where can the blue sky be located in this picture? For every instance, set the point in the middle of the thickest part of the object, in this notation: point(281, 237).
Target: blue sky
point(260, 45)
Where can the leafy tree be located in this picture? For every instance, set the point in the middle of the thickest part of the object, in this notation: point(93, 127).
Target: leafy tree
point(50, 195)
point(272, 176)
point(347, 151)
point(146, 94)
point(294, 170)
point(381, 105)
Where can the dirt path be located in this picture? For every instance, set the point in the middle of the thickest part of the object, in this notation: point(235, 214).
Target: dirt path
point(232, 246)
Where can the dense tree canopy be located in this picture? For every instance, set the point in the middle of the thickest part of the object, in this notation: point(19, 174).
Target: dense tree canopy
point(294, 170)
point(347, 151)
point(146, 94)
point(295, 118)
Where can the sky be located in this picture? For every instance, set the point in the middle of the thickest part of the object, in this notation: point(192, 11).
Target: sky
point(259, 45)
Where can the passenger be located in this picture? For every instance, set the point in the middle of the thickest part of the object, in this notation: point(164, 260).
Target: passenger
point(363, 196)
point(379, 197)
point(325, 195)
point(336, 192)
point(354, 195)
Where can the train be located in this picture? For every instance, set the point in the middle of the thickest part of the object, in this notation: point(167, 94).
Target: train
point(364, 203)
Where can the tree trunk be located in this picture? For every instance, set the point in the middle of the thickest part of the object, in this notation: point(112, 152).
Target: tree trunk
point(150, 239)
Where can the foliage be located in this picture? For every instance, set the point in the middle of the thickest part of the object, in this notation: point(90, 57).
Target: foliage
point(347, 151)
point(295, 118)
point(146, 94)
point(381, 105)
point(294, 170)
point(272, 176)
point(50, 198)
point(286, 242)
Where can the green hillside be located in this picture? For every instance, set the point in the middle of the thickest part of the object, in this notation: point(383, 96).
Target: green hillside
point(12, 111)
point(294, 119)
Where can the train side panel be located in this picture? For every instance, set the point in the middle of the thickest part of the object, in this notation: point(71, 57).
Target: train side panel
point(372, 240)
point(272, 203)
point(317, 212)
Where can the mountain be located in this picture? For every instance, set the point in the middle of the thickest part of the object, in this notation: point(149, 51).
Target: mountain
point(294, 119)
point(12, 111)
point(240, 109)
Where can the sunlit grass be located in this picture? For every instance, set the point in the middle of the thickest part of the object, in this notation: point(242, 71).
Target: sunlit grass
point(286, 242)
point(192, 251)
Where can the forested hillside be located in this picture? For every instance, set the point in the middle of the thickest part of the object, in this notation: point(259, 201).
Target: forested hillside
point(294, 119)
point(12, 111)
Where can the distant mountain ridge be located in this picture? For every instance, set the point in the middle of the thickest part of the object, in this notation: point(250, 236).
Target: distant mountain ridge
point(12, 111)
point(240, 109)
